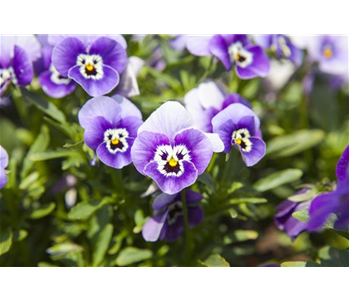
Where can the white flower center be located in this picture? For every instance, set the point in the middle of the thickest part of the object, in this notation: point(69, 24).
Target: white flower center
point(242, 137)
point(116, 140)
point(175, 211)
point(240, 55)
point(286, 51)
point(6, 75)
point(91, 66)
point(57, 78)
point(170, 160)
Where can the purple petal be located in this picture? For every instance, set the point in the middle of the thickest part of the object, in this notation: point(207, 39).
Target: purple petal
point(199, 146)
point(195, 216)
point(22, 67)
point(199, 45)
point(171, 233)
point(112, 53)
point(163, 200)
point(65, 53)
point(172, 184)
point(128, 109)
point(3, 178)
point(152, 229)
point(117, 160)
point(55, 90)
point(179, 42)
point(94, 131)
point(219, 48)
point(321, 207)
point(225, 132)
point(87, 40)
point(264, 40)
point(144, 148)
point(100, 106)
point(256, 154)
point(3, 158)
point(259, 67)
point(235, 98)
point(131, 124)
point(96, 87)
point(342, 168)
point(169, 119)
point(192, 196)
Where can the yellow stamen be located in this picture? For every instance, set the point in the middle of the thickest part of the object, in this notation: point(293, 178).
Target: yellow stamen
point(115, 141)
point(327, 53)
point(238, 141)
point(173, 162)
point(89, 67)
point(237, 56)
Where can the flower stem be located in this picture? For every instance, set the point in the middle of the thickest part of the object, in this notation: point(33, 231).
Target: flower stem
point(187, 253)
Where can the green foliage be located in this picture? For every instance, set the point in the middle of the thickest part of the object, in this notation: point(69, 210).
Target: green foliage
point(215, 260)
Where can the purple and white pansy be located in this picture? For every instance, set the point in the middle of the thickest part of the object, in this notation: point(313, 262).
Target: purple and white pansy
point(3, 165)
point(51, 81)
point(168, 222)
point(282, 45)
point(231, 49)
point(95, 62)
point(238, 126)
point(207, 100)
point(16, 60)
point(170, 150)
point(111, 126)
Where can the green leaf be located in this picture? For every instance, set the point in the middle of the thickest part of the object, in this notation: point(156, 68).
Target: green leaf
point(44, 264)
point(64, 248)
point(102, 244)
point(54, 154)
point(332, 257)
point(207, 179)
point(45, 106)
point(288, 145)
point(301, 215)
point(215, 260)
point(5, 240)
point(43, 211)
point(308, 195)
point(277, 179)
point(84, 210)
point(19, 235)
point(131, 255)
point(29, 180)
point(296, 264)
point(41, 143)
point(248, 200)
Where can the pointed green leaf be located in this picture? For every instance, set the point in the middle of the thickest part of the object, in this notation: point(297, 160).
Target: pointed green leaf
point(5, 240)
point(102, 244)
point(131, 255)
point(215, 260)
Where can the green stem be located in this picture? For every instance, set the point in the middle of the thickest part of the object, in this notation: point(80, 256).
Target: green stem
point(186, 229)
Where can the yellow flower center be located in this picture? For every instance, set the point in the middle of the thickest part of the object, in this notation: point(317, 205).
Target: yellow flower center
point(237, 57)
point(238, 141)
point(172, 162)
point(89, 67)
point(115, 141)
point(327, 53)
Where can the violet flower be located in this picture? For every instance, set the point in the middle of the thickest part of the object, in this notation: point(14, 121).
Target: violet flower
point(207, 100)
point(111, 126)
point(335, 202)
point(16, 57)
point(3, 165)
point(282, 46)
point(231, 49)
point(51, 81)
point(168, 221)
point(95, 62)
point(170, 150)
point(238, 126)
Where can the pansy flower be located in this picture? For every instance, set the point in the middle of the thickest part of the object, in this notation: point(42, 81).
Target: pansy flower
point(168, 222)
point(16, 60)
point(95, 62)
point(170, 150)
point(238, 126)
point(52, 82)
point(232, 49)
point(207, 100)
point(3, 165)
point(282, 46)
point(111, 126)
point(335, 202)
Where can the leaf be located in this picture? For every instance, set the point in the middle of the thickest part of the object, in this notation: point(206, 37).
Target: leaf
point(332, 257)
point(43, 211)
point(288, 145)
point(29, 180)
point(277, 179)
point(102, 244)
point(215, 260)
point(131, 255)
point(301, 215)
point(296, 264)
point(308, 195)
point(45, 106)
point(84, 210)
point(54, 154)
point(248, 200)
point(19, 235)
point(64, 248)
point(5, 240)
point(40, 144)
point(207, 179)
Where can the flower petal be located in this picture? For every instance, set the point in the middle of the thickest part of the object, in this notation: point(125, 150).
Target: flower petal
point(195, 216)
point(117, 160)
point(3, 158)
point(94, 131)
point(342, 169)
point(163, 200)
point(256, 154)
point(211, 94)
point(219, 49)
point(55, 90)
point(128, 109)
point(152, 229)
point(198, 45)
point(22, 67)
point(3, 178)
